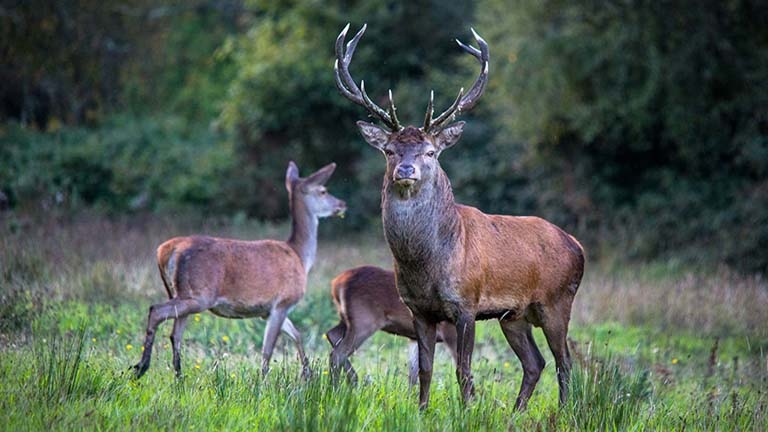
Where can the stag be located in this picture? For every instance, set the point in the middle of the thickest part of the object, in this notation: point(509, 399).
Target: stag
point(455, 263)
point(244, 279)
point(367, 301)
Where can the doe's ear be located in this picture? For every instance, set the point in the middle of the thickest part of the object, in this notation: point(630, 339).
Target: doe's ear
point(291, 175)
point(322, 175)
point(373, 134)
point(449, 136)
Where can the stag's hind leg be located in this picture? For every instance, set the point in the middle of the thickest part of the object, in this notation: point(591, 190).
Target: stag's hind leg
point(158, 313)
point(520, 338)
point(555, 327)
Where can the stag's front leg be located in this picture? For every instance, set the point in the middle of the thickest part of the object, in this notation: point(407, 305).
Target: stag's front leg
point(465, 344)
point(426, 336)
point(274, 323)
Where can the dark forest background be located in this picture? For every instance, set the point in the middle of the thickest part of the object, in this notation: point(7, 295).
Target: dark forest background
point(639, 126)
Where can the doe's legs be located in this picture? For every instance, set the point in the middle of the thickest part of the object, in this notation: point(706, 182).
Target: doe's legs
point(175, 308)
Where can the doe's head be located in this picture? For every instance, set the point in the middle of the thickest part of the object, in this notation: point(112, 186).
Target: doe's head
point(310, 192)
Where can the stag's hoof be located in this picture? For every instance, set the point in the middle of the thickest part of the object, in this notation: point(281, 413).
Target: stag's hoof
point(139, 370)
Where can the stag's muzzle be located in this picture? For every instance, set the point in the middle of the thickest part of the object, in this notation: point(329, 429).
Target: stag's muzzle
point(406, 175)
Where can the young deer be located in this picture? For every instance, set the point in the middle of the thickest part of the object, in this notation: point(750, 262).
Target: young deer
point(367, 301)
point(244, 279)
point(454, 262)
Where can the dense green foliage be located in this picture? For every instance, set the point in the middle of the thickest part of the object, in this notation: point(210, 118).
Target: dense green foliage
point(640, 126)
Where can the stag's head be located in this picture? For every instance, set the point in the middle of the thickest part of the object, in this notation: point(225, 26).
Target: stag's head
point(411, 151)
point(311, 194)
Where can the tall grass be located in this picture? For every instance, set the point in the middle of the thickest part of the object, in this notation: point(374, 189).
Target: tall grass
point(606, 395)
point(59, 363)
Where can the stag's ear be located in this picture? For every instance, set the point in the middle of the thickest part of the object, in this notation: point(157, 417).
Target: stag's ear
point(449, 136)
point(322, 175)
point(373, 134)
point(291, 175)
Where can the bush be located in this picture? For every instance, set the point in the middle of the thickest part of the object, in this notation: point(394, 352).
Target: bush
point(128, 163)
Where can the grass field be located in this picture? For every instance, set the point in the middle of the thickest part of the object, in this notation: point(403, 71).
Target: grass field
point(656, 347)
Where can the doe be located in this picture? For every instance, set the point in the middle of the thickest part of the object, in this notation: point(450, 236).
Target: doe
point(244, 279)
point(367, 301)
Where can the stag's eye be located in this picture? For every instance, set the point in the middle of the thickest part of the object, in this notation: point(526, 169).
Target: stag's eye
point(431, 153)
point(388, 152)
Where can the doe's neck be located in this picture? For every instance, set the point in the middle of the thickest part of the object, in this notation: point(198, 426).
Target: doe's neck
point(303, 238)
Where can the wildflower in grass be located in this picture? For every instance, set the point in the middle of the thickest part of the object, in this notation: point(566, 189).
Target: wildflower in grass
point(197, 365)
point(225, 338)
point(142, 348)
point(233, 376)
point(197, 317)
point(129, 347)
point(118, 331)
point(506, 364)
point(325, 336)
point(325, 372)
point(674, 360)
point(93, 339)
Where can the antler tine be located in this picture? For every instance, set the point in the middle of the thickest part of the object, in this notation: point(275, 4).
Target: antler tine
point(344, 81)
point(464, 103)
point(430, 111)
point(450, 113)
point(482, 55)
point(375, 109)
point(346, 84)
point(393, 111)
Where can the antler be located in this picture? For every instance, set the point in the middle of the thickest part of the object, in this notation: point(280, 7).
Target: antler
point(463, 103)
point(349, 89)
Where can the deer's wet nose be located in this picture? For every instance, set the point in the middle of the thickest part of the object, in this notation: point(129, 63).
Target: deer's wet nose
point(405, 172)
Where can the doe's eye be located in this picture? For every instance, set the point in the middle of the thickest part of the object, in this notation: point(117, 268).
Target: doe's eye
point(431, 153)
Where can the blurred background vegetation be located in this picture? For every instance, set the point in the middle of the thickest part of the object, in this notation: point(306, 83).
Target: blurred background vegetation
point(639, 126)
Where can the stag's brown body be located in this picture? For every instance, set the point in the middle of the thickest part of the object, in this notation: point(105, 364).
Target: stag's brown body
point(455, 263)
point(243, 279)
point(367, 301)
point(494, 265)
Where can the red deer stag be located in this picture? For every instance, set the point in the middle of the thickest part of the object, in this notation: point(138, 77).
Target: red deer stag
point(455, 263)
point(244, 279)
point(367, 301)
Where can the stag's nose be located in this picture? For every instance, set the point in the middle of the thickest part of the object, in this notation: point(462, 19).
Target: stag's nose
point(404, 172)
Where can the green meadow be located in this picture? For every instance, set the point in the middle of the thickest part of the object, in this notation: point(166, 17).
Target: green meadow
point(656, 346)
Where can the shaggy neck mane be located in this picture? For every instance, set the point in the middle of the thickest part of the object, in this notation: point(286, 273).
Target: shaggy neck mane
point(424, 227)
